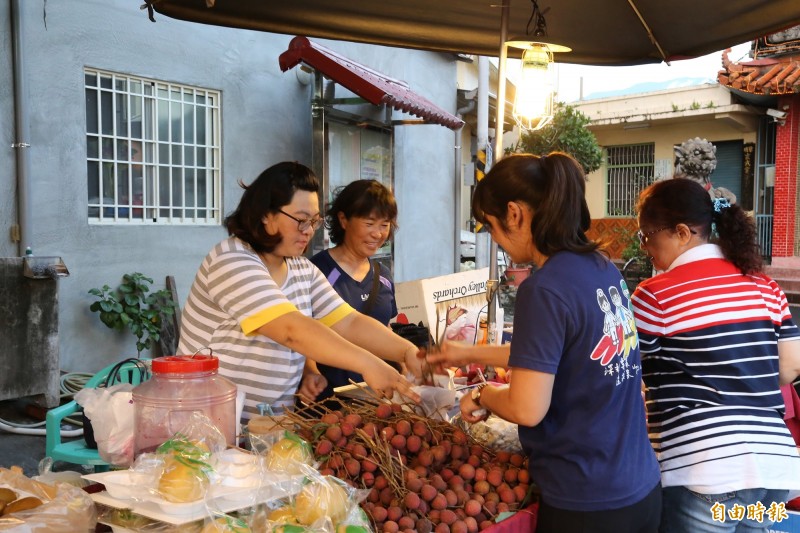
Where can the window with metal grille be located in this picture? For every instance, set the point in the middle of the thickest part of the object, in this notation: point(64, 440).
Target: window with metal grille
point(630, 168)
point(153, 151)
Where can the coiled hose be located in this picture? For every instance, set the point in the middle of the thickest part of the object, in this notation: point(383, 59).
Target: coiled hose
point(69, 384)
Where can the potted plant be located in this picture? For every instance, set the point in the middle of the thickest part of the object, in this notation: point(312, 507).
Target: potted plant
point(132, 305)
point(516, 273)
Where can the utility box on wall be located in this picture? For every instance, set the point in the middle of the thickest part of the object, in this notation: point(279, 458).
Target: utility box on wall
point(28, 333)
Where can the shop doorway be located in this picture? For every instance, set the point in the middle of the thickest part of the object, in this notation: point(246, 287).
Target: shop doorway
point(351, 140)
point(763, 204)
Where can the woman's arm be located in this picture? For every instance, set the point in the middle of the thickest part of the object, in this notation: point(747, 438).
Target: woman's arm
point(524, 401)
point(789, 360)
point(368, 333)
point(322, 344)
point(460, 354)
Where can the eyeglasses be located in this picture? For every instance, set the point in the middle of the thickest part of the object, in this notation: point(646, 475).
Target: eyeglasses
point(643, 237)
point(305, 223)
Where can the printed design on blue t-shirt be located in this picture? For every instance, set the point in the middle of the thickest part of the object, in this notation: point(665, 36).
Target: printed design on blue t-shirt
point(619, 327)
point(365, 296)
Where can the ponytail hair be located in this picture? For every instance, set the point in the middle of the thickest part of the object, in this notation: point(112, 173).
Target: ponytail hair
point(554, 186)
point(736, 236)
point(670, 202)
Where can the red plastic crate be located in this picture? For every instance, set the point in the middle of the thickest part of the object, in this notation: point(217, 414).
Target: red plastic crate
point(523, 521)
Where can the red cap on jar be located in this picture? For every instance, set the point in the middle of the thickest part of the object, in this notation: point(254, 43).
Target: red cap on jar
point(185, 364)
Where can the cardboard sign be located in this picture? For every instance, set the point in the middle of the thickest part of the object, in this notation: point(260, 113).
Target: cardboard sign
point(454, 306)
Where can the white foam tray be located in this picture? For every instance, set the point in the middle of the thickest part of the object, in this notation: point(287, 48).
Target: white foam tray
point(219, 498)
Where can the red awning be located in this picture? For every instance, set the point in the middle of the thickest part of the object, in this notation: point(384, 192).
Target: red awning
point(369, 84)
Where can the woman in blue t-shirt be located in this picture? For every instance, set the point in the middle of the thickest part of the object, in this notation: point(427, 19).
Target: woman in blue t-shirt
point(575, 388)
point(361, 217)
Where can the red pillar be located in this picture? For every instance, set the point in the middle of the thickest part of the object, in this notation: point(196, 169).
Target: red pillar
point(787, 147)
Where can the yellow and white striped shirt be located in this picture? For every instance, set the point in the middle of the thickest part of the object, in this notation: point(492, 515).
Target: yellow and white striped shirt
point(232, 296)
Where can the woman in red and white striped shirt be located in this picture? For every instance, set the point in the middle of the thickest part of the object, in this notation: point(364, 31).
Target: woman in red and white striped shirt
point(717, 339)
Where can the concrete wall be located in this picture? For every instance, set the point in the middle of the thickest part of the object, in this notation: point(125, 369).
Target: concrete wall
point(28, 336)
point(265, 119)
point(664, 137)
point(658, 105)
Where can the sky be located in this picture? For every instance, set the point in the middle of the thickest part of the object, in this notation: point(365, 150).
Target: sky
point(596, 79)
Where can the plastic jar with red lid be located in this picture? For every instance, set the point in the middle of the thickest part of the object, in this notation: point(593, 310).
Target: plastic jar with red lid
point(182, 385)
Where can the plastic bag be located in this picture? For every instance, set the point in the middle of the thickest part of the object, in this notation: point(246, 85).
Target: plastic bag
point(225, 523)
point(200, 430)
point(325, 504)
point(186, 470)
point(111, 412)
point(417, 334)
point(435, 400)
point(64, 506)
point(496, 434)
point(127, 520)
point(283, 451)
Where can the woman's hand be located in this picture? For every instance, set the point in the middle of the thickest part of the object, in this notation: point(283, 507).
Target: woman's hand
point(311, 386)
point(414, 358)
point(452, 354)
point(385, 380)
point(461, 354)
point(470, 411)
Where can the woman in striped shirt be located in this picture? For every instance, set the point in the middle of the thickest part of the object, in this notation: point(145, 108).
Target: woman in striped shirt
point(262, 307)
point(717, 339)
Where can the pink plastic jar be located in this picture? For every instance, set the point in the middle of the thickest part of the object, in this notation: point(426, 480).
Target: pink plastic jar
point(180, 386)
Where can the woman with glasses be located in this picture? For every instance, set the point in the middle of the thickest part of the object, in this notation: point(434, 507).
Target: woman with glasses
point(263, 308)
point(717, 340)
point(360, 219)
point(575, 388)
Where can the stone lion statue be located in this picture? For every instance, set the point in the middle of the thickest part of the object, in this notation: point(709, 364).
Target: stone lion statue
point(696, 159)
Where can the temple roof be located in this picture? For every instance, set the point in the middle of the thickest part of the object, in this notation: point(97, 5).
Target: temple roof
point(768, 77)
point(774, 70)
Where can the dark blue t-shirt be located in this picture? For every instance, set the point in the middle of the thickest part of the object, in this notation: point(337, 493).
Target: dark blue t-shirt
point(591, 451)
point(355, 293)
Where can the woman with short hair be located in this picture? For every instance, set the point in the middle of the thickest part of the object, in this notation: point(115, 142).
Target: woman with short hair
point(361, 217)
point(263, 308)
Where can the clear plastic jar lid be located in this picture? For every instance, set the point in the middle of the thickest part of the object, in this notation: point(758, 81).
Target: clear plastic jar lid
point(185, 364)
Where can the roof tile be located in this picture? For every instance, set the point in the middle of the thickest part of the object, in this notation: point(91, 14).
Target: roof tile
point(367, 83)
point(771, 76)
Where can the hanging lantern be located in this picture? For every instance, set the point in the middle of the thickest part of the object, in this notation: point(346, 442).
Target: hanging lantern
point(533, 104)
